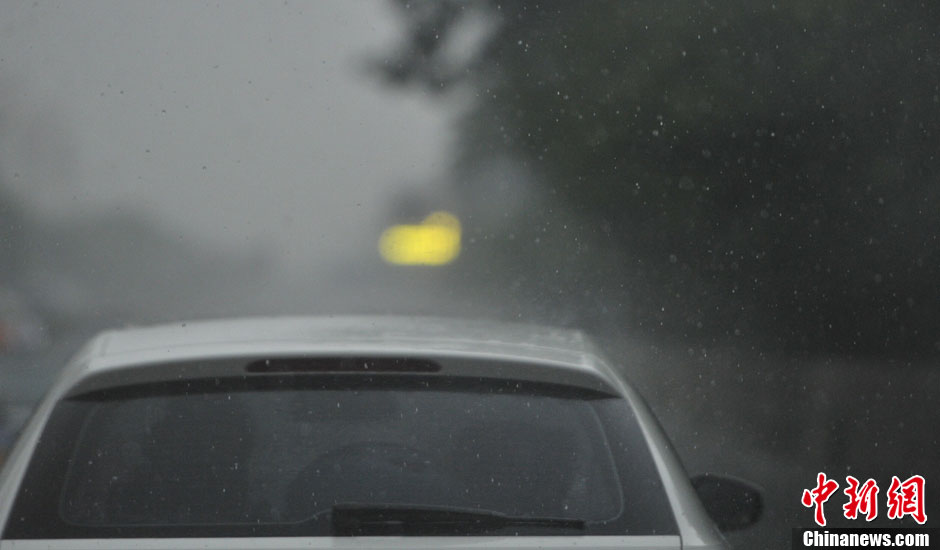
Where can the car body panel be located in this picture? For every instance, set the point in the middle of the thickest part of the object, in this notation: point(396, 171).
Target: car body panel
point(352, 331)
point(462, 348)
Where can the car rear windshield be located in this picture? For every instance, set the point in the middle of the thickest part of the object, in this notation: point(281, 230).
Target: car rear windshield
point(272, 456)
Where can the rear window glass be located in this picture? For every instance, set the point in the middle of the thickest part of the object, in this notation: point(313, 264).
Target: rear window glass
point(269, 456)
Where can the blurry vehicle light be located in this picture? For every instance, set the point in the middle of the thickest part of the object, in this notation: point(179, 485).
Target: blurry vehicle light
point(435, 241)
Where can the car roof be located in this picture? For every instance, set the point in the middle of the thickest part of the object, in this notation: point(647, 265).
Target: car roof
point(430, 332)
point(464, 347)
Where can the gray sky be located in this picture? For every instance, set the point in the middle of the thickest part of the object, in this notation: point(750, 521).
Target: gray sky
point(246, 125)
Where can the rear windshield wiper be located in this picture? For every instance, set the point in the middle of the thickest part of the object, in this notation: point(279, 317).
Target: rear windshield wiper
point(403, 519)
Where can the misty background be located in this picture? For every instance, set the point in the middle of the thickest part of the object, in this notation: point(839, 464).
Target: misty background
point(740, 202)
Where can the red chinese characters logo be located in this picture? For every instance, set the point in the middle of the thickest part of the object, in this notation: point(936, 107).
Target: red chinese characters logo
point(819, 495)
point(904, 498)
point(862, 499)
point(907, 498)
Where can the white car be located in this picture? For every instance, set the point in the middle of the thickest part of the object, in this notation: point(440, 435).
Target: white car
point(384, 433)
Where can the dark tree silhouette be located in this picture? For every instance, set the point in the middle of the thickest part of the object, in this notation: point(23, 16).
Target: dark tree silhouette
point(765, 169)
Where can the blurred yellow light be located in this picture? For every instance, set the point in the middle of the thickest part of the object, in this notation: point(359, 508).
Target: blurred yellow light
point(435, 241)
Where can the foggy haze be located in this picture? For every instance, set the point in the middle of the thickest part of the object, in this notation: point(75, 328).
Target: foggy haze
point(203, 118)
